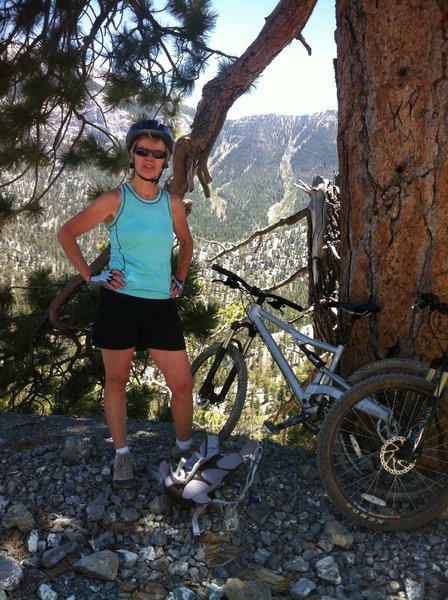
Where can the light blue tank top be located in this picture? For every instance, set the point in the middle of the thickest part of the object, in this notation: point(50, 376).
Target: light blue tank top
point(141, 241)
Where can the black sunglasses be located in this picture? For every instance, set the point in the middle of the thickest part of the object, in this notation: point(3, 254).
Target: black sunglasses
point(154, 153)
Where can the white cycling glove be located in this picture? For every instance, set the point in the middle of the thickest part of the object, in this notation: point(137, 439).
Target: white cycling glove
point(178, 283)
point(100, 279)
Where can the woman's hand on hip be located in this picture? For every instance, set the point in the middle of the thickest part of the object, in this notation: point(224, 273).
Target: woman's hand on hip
point(111, 279)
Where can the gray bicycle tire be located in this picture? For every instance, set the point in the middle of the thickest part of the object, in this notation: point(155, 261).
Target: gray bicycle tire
point(329, 445)
point(240, 364)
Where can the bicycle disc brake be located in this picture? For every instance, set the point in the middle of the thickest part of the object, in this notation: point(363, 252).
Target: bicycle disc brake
point(389, 459)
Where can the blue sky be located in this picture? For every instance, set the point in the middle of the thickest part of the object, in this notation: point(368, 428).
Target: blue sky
point(294, 83)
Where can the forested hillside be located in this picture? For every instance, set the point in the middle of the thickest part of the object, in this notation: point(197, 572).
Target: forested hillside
point(254, 166)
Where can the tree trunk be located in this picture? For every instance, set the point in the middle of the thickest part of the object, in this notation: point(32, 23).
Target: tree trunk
point(323, 255)
point(393, 104)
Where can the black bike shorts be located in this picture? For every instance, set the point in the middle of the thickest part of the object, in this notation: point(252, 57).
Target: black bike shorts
point(124, 322)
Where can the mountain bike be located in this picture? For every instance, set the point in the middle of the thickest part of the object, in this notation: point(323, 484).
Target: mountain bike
point(220, 377)
point(390, 472)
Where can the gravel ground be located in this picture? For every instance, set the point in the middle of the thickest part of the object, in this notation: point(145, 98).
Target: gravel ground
point(66, 534)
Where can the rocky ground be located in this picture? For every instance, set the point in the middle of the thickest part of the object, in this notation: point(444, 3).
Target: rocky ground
point(66, 535)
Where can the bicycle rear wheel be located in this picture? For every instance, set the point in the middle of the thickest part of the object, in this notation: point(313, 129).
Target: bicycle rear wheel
point(358, 461)
point(388, 365)
point(219, 389)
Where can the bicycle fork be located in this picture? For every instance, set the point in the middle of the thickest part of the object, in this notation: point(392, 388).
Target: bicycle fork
point(413, 445)
point(207, 389)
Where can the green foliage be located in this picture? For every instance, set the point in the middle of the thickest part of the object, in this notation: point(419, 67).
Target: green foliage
point(198, 314)
point(163, 412)
point(44, 370)
point(63, 64)
point(6, 206)
point(94, 191)
point(51, 371)
point(139, 398)
point(40, 290)
point(231, 311)
point(6, 304)
point(78, 394)
point(90, 150)
point(224, 65)
point(299, 437)
point(196, 18)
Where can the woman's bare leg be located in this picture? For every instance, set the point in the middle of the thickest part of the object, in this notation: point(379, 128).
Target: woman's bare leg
point(117, 365)
point(175, 368)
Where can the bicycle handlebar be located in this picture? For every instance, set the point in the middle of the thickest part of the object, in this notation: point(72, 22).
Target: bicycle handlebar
point(234, 281)
point(433, 302)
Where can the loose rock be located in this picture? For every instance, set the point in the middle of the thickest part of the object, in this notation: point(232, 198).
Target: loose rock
point(19, 516)
point(65, 533)
point(100, 565)
point(11, 573)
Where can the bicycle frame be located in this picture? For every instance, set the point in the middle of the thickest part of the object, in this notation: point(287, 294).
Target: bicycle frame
point(320, 385)
point(256, 315)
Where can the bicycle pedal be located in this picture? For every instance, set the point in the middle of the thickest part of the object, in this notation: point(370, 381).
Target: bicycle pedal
point(275, 428)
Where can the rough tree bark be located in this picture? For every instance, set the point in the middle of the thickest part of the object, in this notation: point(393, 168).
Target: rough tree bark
point(393, 104)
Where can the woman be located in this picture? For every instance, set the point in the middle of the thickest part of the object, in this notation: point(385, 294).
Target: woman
point(137, 309)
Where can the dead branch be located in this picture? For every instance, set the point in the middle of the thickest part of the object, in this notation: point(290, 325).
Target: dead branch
point(323, 238)
point(305, 44)
point(286, 221)
point(299, 273)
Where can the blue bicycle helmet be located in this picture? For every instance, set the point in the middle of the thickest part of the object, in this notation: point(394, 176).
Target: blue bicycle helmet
point(152, 127)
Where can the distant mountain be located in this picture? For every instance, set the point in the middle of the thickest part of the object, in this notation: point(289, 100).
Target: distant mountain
point(254, 165)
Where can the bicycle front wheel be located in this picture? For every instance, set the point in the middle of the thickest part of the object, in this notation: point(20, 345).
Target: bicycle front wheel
point(359, 454)
point(219, 389)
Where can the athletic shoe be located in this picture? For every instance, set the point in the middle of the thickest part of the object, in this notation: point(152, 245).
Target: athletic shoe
point(123, 471)
point(177, 453)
